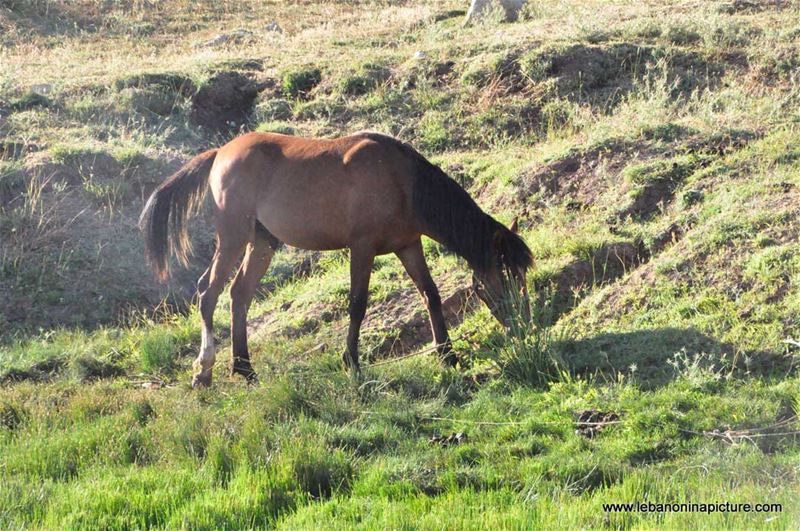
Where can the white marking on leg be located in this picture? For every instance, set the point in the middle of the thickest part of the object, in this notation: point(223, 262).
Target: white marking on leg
point(205, 360)
point(207, 351)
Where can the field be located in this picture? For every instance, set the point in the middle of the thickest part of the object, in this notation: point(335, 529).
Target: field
point(650, 151)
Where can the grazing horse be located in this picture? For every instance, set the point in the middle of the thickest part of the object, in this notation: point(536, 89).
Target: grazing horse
point(367, 192)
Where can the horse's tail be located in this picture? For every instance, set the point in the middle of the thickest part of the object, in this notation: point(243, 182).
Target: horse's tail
point(164, 216)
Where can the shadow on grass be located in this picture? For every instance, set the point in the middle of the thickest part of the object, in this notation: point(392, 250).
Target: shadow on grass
point(655, 357)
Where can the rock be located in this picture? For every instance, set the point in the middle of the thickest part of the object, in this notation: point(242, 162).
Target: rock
point(419, 55)
point(42, 88)
point(479, 8)
point(273, 27)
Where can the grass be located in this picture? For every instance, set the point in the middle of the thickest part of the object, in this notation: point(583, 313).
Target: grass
point(603, 130)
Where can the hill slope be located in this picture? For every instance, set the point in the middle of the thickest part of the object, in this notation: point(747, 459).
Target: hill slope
point(648, 150)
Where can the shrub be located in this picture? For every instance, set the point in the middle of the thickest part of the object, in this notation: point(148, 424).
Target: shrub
point(728, 34)
point(682, 35)
point(30, 100)
point(298, 83)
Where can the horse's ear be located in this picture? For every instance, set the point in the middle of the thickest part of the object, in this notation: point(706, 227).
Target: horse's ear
point(514, 225)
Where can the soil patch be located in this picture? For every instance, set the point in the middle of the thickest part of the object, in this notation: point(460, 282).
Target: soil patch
point(404, 320)
point(590, 422)
point(224, 102)
point(11, 150)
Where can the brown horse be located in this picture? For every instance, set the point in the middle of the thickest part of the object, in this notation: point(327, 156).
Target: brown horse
point(367, 192)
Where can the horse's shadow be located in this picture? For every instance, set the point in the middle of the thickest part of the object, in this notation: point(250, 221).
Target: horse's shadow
point(654, 357)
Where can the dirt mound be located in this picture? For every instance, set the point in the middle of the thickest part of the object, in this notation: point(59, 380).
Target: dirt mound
point(605, 264)
point(70, 244)
point(576, 176)
point(589, 422)
point(156, 93)
point(586, 67)
point(602, 73)
point(404, 320)
point(40, 371)
point(646, 172)
point(400, 321)
point(751, 6)
point(651, 185)
point(224, 102)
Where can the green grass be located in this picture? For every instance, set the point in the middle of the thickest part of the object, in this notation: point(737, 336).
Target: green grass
point(602, 128)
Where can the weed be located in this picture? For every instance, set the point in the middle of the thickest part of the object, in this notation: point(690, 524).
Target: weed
point(366, 78)
point(322, 474)
point(157, 351)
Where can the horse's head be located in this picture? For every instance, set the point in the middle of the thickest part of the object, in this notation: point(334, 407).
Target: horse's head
point(501, 285)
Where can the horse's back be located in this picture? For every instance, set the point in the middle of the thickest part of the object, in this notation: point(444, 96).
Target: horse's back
point(317, 193)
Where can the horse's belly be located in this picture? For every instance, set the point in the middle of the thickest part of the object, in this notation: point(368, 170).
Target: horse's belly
point(332, 213)
point(304, 227)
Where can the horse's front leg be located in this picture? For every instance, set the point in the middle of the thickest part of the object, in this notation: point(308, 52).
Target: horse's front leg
point(413, 260)
point(361, 260)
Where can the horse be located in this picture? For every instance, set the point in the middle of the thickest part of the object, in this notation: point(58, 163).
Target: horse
point(368, 192)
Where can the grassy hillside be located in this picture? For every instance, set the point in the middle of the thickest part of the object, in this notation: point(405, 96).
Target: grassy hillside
point(649, 150)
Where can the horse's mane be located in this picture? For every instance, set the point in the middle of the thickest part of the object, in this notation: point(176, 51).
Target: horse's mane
point(451, 217)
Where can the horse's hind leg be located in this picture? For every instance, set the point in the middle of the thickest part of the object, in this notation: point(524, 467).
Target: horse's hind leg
point(256, 261)
point(230, 244)
point(413, 260)
point(361, 260)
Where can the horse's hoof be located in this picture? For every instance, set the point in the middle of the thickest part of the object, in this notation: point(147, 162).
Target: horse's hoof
point(201, 380)
point(246, 370)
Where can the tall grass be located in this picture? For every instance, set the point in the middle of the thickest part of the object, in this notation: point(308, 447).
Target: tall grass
point(157, 351)
point(529, 354)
